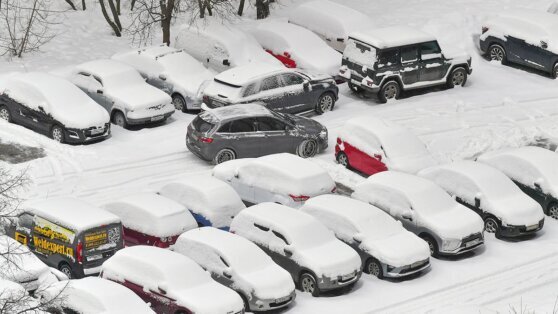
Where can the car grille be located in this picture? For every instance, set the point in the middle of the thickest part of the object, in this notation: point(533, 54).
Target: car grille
point(95, 131)
point(415, 266)
point(276, 304)
point(471, 238)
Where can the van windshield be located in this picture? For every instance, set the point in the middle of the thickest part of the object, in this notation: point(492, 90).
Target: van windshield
point(360, 53)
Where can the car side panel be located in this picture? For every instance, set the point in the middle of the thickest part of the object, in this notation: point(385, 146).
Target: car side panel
point(362, 161)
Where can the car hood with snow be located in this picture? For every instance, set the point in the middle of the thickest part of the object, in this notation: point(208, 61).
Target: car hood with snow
point(329, 259)
point(455, 222)
point(140, 96)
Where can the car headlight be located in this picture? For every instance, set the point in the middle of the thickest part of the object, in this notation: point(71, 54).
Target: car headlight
point(450, 244)
point(323, 133)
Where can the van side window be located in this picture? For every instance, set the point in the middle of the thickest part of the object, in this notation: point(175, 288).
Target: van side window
point(388, 57)
point(429, 48)
point(280, 236)
point(409, 54)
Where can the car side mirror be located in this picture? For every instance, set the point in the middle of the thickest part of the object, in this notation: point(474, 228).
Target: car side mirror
point(288, 251)
point(358, 238)
point(306, 86)
point(100, 91)
point(538, 186)
point(407, 216)
point(227, 273)
point(162, 77)
point(477, 202)
point(226, 62)
point(544, 44)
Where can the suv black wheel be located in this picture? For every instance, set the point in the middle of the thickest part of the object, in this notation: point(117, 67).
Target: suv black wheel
point(309, 284)
point(457, 77)
point(119, 119)
point(307, 148)
point(5, 114)
point(497, 53)
point(374, 268)
point(553, 210)
point(390, 90)
point(343, 159)
point(224, 155)
point(325, 103)
point(57, 133)
point(555, 71)
point(179, 102)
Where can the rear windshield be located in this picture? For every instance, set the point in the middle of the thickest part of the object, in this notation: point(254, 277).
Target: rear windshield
point(102, 238)
point(201, 125)
point(360, 53)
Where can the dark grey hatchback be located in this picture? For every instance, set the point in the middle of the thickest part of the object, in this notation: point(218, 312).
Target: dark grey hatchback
point(252, 130)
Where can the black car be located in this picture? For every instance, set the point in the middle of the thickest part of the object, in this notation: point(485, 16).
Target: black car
point(52, 106)
point(281, 89)
point(526, 38)
point(390, 60)
point(252, 130)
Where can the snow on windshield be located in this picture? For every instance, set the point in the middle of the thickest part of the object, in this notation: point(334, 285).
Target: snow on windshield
point(360, 53)
point(124, 78)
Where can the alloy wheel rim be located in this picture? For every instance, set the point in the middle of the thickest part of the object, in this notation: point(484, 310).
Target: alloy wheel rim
point(496, 54)
point(374, 269)
point(490, 226)
point(309, 149)
point(57, 134)
point(390, 92)
point(4, 114)
point(431, 247)
point(178, 103)
point(225, 156)
point(307, 285)
point(458, 78)
point(553, 211)
point(343, 160)
point(66, 272)
point(326, 103)
point(119, 120)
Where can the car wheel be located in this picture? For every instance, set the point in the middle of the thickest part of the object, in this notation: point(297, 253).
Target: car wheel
point(179, 103)
point(458, 77)
point(325, 103)
point(374, 268)
point(245, 301)
point(66, 270)
point(553, 210)
point(224, 155)
point(432, 245)
point(5, 114)
point(57, 133)
point(308, 148)
point(343, 159)
point(491, 225)
point(390, 90)
point(555, 71)
point(308, 284)
point(119, 119)
point(497, 53)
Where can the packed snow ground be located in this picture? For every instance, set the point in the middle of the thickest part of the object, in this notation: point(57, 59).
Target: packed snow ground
point(500, 106)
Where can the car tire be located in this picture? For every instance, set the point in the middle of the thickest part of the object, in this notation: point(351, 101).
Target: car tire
point(179, 103)
point(66, 270)
point(325, 103)
point(457, 77)
point(374, 268)
point(224, 155)
point(57, 133)
point(497, 53)
point(491, 225)
point(343, 160)
point(390, 90)
point(5, 114)
point(552, 210)
point(119, 119)
point(555, 71)
point(245, 301)
point(432, 245)
point(307, 149)
point(309, 284)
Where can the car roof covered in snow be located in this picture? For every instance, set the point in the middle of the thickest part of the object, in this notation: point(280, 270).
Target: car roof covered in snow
point(70, 212)
point(104, 67)
point(394, 36)
point(234, 112)
point(375, 126)
point(241, 75)
point(542, 19)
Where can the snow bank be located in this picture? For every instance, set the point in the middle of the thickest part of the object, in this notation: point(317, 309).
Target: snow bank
point(152, 214)
point(12, 294)
point(206, 196)
point(257, 274)
point(393, 36)
point(59, 98)
point(553, 8)
point(18, 264)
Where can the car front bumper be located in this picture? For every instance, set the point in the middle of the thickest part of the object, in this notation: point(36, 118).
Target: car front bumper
point(467, 244)
point(517, 231)
point(148, 120)
point(328, 284)
point(256, 304)
point(89, 135)
point(408, 270)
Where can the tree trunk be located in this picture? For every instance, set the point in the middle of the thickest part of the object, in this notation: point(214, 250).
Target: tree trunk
point(118, 7)
point(241, 7)
point(166, 9)
point(115, 14)
point(208, 7)
point(71, 3)
point(83, 5)
point(109, 21)
point(26, 37)
point(202, 8)
point(262, 9)
point(132, 5)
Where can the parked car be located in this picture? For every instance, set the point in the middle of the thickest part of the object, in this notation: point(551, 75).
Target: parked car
point(221, 47)
point(505, 209)
point(12, 295)
point(93, 295)
point(553, 8)
point(151, 219)
point(122, 91)
point(240, 265)
point(212, 202)
point(252, 130)
point(170, 282)
point(533, 169)
point(171, 70)
point(280, 178)
point(529, 38)
point(389, 61)
point(281, 89)
point(371, 145)
point(333, 22)
point(52, 106)
point(424, 209)
point(295, 46)
point(68, 234)
point(296, 241)
point(385, 248)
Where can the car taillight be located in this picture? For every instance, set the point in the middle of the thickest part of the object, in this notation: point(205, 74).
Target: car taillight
point(378, 156)
point(484, 29)
point(79, 252)
point(163, 239)
point(205, 99)
point(207, 140)
point(286, 54)
point(339, 141)
point(299, 198)
point(334, 189)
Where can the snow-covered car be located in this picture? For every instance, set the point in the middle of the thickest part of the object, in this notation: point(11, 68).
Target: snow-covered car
point(424, 209)
point(121, 90)
point(52, 106)
point(295, 46)
point(68, 234)
point(240, 265)
point(252, 130)
point(15, 299)
point(296, 241)
point(553, 8)
point(151, 219)
point(221, 47)
point(388, 61)
point(172, 71)
point(333, 22)
point(212, 202)
point(280, 178)
point(386, 248)
point(19, 264)
point(371, 145)
point(170, 282)
point(281, 89)
point(93, 295)
point(533, 169)
point(525, 37)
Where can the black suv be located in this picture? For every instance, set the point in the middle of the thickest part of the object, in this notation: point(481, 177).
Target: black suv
point(390, 60)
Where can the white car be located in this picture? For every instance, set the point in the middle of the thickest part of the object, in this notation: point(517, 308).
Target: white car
point(281, 178)
point(424, 209)
point(171, 70)
point(170, 282)
point(221, 47)
point(385, 247)
point(333, 22)
point(505, 209)
point(296, 241)
point(122, 91)
point(295, 46)
point(240, 265)
point(15, 299)
point(211, 201)
point(533, 169)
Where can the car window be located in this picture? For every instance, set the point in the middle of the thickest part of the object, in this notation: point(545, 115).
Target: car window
point(291, 79)
point(388, 57)
point(250, 90)
point(429, 48)
point(409, 54)
point(270, 124)
point(223, 261)
point(201, 125)
point(242, 126)
point(270, 83)
point(280, 236)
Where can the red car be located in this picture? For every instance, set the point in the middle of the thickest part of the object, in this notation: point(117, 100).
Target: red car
point(371, 145)
point(151, 219)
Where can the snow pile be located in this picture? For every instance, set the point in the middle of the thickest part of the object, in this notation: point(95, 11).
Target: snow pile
point(242, 75)
point(394, 36)
point(18, 264)
point(174, 275)
point(312, 244)
point(381, 236)
point(59, 98)
point(257, 274)
point(498, 195)
point(360, 54)
point(209, 197)
point(553, 8)
point(11, 298)
point(284, 174)
point(152, 214)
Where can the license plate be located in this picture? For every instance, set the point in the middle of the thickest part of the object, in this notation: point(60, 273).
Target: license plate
point(282, 299)
point(157, 118)
point(533, 227)
point(474, 242)
point(94, 257)
point(96, 131)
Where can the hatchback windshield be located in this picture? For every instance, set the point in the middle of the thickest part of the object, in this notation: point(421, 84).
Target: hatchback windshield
point(310, 235)
point(201, 125)
point(360, 53)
